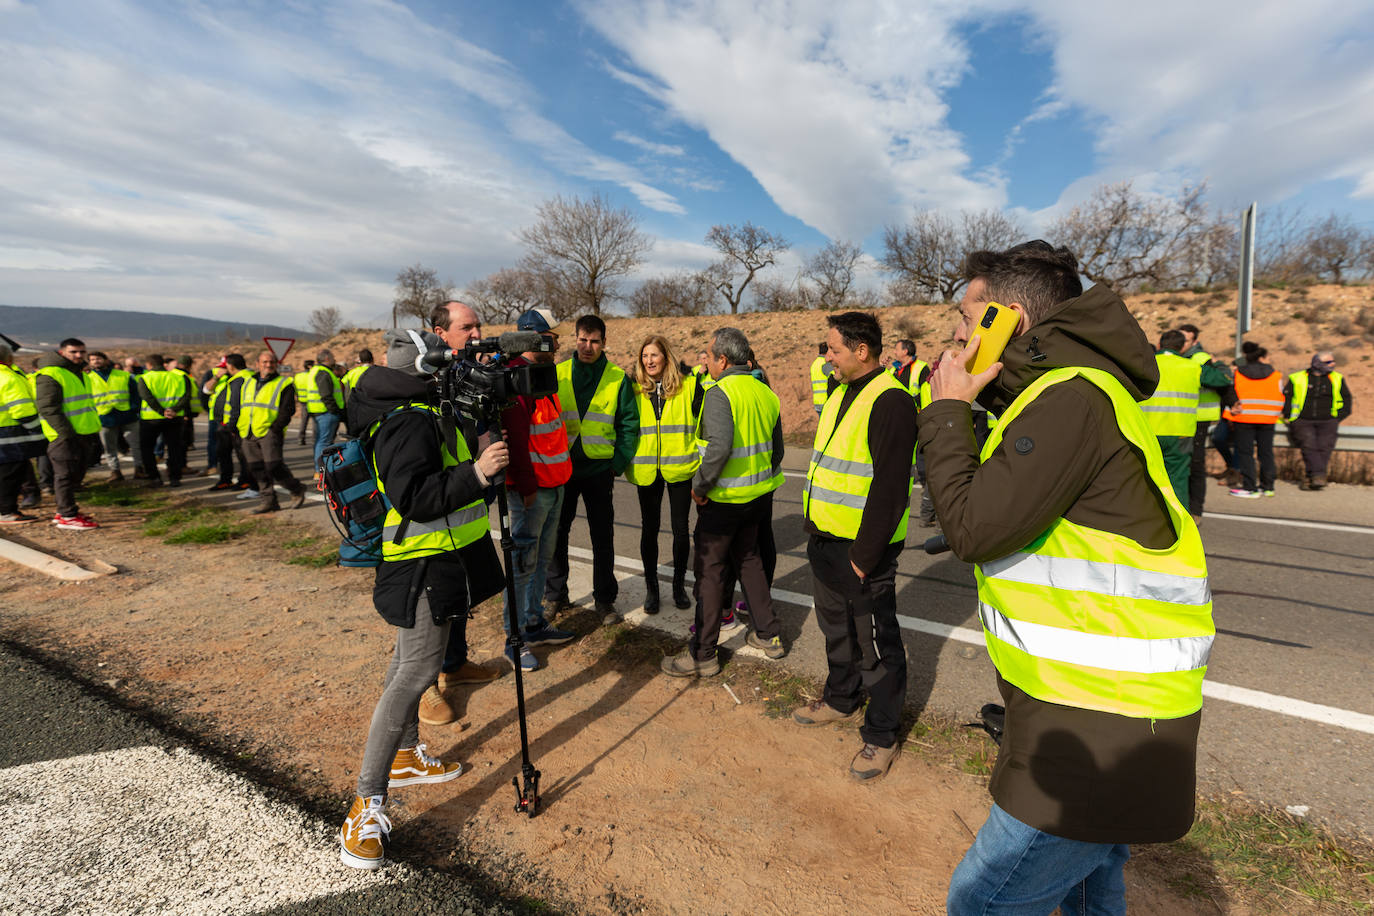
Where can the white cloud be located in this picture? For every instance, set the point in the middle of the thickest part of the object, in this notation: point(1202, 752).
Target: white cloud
point(648, 146)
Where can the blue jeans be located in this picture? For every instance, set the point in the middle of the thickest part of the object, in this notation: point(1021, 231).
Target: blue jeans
point(1015, 870)
point(326, 428)
point(535, 533)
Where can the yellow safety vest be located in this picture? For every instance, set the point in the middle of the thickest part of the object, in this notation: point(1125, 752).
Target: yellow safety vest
point(192, 398)
point(667, 444)
point(841, 469)
point(313, 402)
point(748, 472)
point(259, 405)
point(219, 399)
point(20, 432)
point(596, 427)
point(819, 381)
point(110, 394)
point(76, 402)
point(1299, 381)
point(166, 386)
point(1172, 410)
point(440, 535)
point(1090, 619)
point(351, 377)
point(1208, 400)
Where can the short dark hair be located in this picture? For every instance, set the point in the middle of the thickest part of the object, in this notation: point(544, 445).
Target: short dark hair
point(1035, 274)
point(236, 361)
point(364, 355)
point(306, 364)
point(185, 361)
point(1171, 340)
point(154, 362)
point(71, 342)
point(440, 316)
point(858, 328)
point(908, 345)
point(590, 323)
point(1190, 329)
point(823, 349)
point(96, 353)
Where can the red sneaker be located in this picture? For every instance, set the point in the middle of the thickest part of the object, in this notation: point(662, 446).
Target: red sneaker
point(75, 522)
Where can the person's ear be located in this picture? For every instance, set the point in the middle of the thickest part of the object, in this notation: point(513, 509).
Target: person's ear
point(1023, 324)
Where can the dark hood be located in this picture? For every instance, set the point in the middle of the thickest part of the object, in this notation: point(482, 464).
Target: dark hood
point(381, 390)
point(53, 358)
point(1095, 330)
point(1256, 370)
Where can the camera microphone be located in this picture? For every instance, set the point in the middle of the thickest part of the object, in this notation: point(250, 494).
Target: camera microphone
point(429, 362)
point(937, 544)
point(522, 342)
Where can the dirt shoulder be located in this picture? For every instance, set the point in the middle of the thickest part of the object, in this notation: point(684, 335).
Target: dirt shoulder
point(660, 796)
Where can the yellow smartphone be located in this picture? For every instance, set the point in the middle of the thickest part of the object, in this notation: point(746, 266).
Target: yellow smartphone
point(994, 330)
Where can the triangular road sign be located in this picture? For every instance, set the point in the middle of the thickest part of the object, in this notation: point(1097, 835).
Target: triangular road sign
point(280, 346)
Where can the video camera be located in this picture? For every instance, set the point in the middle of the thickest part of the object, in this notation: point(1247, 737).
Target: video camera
point(477, 381)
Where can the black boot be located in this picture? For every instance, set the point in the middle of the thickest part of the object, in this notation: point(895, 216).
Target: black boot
point(680, 596)
point(651, 594)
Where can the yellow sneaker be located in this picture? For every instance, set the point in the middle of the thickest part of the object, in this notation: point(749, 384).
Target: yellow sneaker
point(362, 838)
point(413, 766)
point(436, 708)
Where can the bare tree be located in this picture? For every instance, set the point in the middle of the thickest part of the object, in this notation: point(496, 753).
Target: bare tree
point(418, 291)
point(501, 298)
point(587, 245)
point(832, 271)
point(1127, 239)
point(781, 296)
point(927, 254)
point(1212, 256)
point(1335, 248)
point(745, 250)
point(685, 295)
point(1281, 246)
point(326, 321)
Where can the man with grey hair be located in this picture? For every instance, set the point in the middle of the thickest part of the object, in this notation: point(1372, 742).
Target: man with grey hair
point(741, 466)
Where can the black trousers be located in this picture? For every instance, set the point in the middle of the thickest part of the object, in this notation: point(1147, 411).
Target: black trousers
point(266, 464)
point(170, 431)
point(1197, 471)
point(1317, 439)
point(12, 477)
point(595, 491)
point(1246, 439)
point(863, 641)
point(727, 547)
point(651, 516)
point(228, 445)
point(70, 457)
point(768, 555)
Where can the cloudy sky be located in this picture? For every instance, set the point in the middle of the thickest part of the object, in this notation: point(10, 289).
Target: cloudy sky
point(256, 160)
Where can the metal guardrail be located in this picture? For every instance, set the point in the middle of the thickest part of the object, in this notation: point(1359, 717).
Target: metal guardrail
point(1352, 438)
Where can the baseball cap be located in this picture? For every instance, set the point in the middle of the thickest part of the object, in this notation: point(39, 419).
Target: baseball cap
point(540, 320)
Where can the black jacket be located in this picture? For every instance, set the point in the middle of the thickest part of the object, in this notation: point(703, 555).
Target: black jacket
point(409, 463)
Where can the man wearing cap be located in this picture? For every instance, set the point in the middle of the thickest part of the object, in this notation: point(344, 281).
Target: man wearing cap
point(602, 420)
point(1315, 401)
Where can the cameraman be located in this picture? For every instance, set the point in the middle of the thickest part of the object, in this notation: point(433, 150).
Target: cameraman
point(437, 561)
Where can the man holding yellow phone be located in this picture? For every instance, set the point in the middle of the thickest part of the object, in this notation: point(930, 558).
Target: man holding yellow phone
point(1092, 586)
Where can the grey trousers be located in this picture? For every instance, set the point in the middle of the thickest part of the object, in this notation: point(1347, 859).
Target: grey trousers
point(396, 720)
point(109, 439)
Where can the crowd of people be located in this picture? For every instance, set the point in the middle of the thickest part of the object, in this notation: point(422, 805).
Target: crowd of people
point(1075, 461)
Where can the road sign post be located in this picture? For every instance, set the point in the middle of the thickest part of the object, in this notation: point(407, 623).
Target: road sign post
point(1247, 275)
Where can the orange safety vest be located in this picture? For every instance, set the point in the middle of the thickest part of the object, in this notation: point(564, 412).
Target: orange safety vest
point(549, 443)
point(1260, 400)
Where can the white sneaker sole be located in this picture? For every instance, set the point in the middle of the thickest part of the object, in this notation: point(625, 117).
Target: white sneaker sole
point(353, 861)
point(421, 779)
point(727, 631)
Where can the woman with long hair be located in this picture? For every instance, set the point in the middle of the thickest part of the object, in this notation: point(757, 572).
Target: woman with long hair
point(1258, 406)
point(669, 409)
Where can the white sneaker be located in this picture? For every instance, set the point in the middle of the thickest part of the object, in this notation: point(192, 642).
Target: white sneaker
point(247, 494)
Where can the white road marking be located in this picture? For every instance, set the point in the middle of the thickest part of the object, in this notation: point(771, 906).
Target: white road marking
point(154, 831)
point(1290, 522)
point(1242, 696)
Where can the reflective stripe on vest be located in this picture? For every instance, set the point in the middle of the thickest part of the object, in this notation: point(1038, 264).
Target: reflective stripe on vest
point(110, 394)
point(1208, 399)
point(166, 387)
point(1299, 381)
point(350, 379)
point(188, 386)
point(20, 431)
point(1172, 409)
point(1260, 400)
point(315, 403)
point(77, 404)
point(221, 408)
point(820, 382)
point(259, 405)
point(1091, 619)
point(596, 427)
point(667, 444)
point(841, 469)
point(16, 397)
point(549, 444)
point(748, 472)
point(450, 532)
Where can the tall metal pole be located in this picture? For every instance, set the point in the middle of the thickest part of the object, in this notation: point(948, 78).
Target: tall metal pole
point(1247, 275)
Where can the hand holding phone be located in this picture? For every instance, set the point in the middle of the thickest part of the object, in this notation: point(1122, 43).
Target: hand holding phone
point(994, 331)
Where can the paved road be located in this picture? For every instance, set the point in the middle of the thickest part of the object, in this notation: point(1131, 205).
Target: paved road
point(1289, 718)
point(104, 814)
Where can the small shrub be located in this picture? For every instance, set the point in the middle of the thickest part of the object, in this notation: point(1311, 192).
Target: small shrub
point(213, 533)
point(1291, 348)
point(316, 560)
point(1344, 326)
